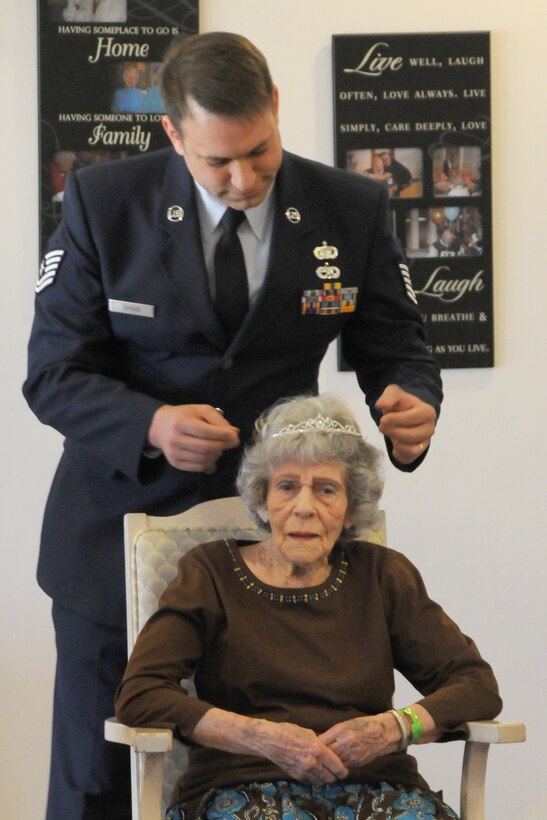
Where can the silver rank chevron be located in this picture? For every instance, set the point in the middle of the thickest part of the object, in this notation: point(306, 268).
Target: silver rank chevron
point(48, 269)
point(319, 424)
point(405, 273)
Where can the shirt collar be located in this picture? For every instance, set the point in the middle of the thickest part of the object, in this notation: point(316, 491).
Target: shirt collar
point(211, 211)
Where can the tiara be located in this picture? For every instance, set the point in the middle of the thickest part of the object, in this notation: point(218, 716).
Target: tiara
point(319, 424)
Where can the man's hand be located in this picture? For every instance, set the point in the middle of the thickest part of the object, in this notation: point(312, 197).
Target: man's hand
point(191, 436)
point(407, 421)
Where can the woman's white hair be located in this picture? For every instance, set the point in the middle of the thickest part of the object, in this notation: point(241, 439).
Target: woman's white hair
point(273, 445)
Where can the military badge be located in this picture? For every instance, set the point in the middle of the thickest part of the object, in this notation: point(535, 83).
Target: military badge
point(293, 215)
point(48, 269)
point(175, 213)
point(331, 299)
point(405, 273)
point(327, 271)
point(325, 251)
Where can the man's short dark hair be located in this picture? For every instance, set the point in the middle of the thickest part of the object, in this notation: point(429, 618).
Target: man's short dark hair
point(224, 73)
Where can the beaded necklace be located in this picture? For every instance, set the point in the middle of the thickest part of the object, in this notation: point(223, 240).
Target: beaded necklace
point(289, 597)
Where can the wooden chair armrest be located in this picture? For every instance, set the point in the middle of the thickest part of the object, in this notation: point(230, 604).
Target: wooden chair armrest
point(152, 745)
point(141, 740)
point(494, 731)
point(480, 734)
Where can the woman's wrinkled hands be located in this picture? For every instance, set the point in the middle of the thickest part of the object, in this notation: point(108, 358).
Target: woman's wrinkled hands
point(301, 753)
point(360, 740)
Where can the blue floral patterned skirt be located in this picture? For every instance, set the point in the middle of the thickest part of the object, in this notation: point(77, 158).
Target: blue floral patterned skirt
point(286, 800)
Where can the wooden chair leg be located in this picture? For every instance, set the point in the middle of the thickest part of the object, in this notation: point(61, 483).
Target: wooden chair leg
point(475, 757)
point(151, 786)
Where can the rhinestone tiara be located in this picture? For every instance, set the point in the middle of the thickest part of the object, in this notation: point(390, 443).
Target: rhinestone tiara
point(319, 424)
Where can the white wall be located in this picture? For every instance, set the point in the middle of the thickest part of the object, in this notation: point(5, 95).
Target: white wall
point(472, 518)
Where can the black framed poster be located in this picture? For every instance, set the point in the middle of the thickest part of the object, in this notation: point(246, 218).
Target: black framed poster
point(99, 64)
point(412, 112)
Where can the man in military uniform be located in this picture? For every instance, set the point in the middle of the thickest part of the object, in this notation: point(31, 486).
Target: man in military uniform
point(445, 245)
point(136, 360)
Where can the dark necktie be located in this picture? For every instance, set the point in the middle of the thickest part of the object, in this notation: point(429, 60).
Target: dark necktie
point(232, 290)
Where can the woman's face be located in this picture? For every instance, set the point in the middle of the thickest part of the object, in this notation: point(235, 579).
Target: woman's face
point(307, 509)
point(130, 77)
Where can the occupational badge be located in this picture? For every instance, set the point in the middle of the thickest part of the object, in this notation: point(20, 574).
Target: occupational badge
point(325, 251)
point(48, 269)
point(175, 213)
point(327, 271)
point(293, 215)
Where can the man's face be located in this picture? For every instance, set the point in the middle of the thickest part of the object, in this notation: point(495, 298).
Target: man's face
point(235, 160)
point(377, 165)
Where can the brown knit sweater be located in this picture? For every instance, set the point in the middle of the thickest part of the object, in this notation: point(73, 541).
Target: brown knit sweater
point(308, 656)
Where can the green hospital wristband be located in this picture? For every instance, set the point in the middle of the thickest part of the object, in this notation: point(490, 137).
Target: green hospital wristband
point(416, 727)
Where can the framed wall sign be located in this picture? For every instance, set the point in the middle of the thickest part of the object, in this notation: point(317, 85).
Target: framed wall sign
point(412, 112)
point(99, 64)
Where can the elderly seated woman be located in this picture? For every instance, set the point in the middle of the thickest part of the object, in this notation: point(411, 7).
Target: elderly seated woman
point(294, 640)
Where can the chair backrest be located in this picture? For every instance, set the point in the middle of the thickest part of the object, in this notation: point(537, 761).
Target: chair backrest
point(153, 547)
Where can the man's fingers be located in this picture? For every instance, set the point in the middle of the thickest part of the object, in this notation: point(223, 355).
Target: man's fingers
point(412, 427)
point(191, 427)
point(408, 422)
point(193, 462)
point(199, 445)
point(419, 434)
point(407, 454)
point(394, 398)
point(210, 426)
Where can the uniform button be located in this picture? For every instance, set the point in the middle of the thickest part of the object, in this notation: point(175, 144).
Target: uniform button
point(227, 364)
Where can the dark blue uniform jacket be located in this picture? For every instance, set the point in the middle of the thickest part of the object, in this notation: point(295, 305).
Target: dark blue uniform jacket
point(97, 374)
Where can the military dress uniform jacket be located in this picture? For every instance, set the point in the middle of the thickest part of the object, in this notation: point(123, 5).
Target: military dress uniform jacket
point(125, 323)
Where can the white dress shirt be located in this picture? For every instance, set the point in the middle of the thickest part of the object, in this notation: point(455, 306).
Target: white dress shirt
point(254, 233)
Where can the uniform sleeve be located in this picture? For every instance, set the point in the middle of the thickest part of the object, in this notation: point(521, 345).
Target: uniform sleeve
point(75, 380)
point(385, 342)
point(166, 652)
point(429, 649)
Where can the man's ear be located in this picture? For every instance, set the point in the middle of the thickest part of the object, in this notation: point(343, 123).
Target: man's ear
point(173, 134)
point(263, 513)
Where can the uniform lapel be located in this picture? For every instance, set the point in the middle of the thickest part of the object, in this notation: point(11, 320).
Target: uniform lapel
point(181, 255)
point(293, 220)
point(180, 249)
